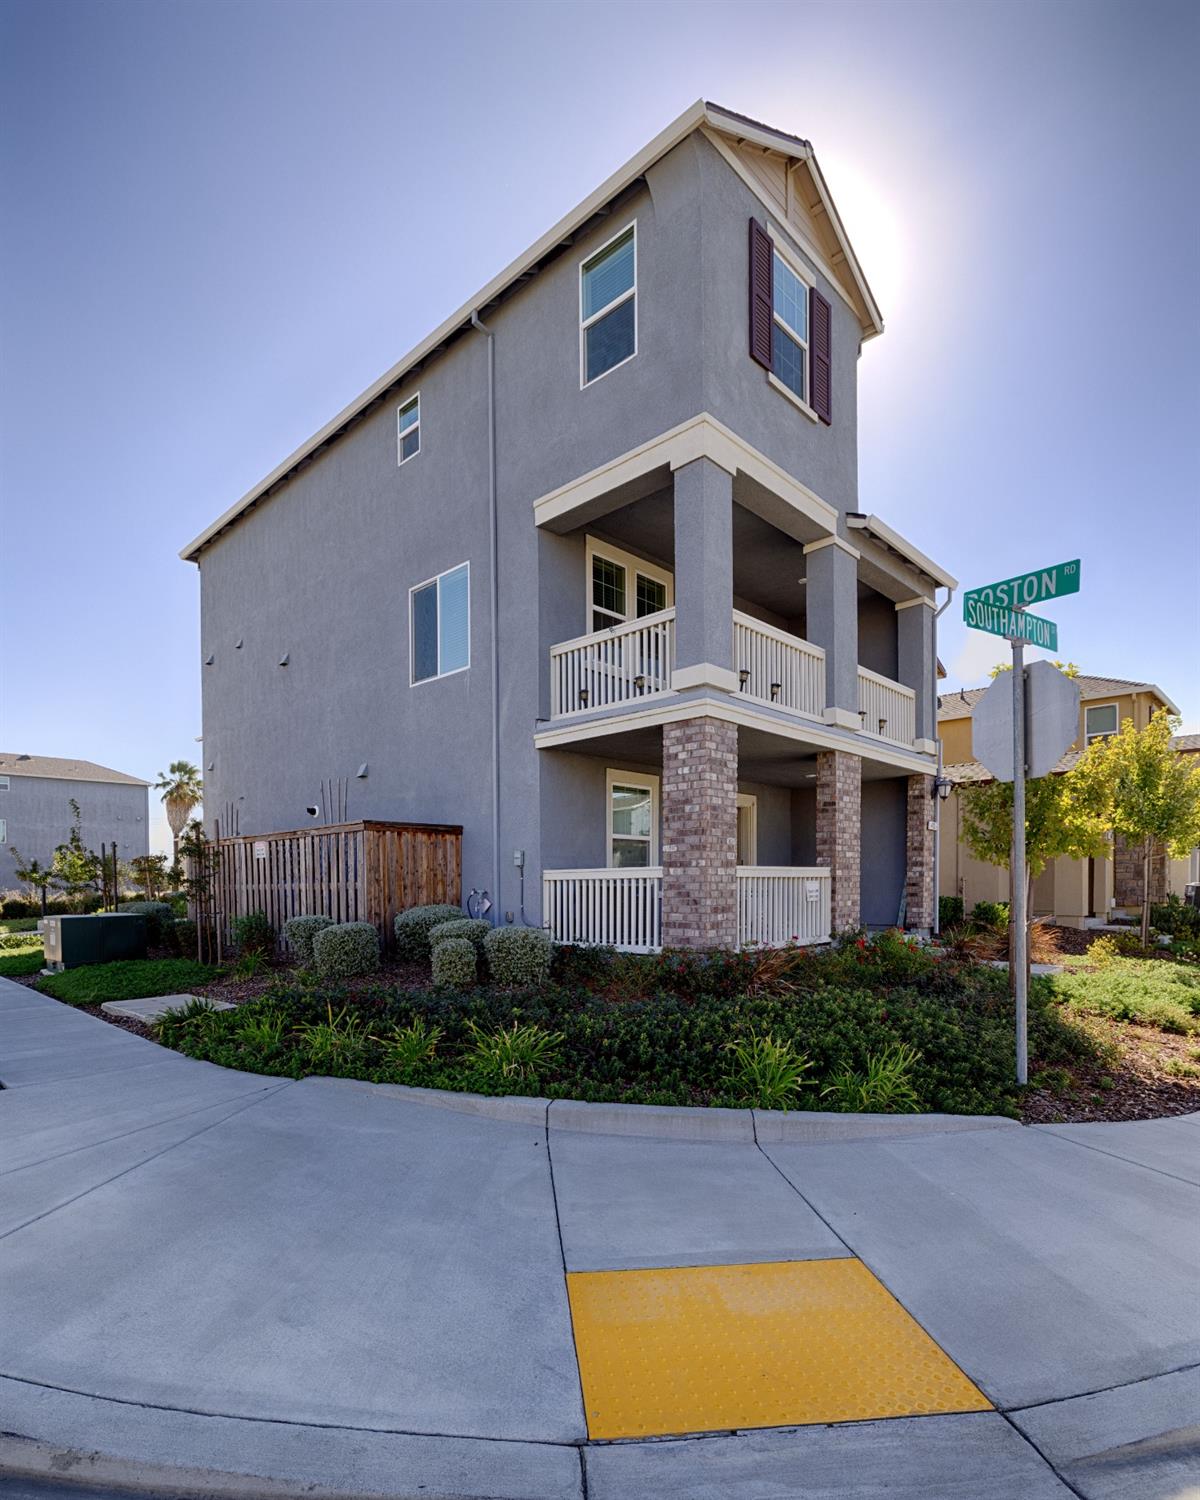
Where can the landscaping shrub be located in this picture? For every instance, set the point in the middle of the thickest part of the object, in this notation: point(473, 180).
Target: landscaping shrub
point(184, 934)
point(252, 933)
point(300, 933)
point(157, 914)
point(1150, 992)
point(10, 925)
point(412, 928)
point(518, 955)
point(990, 914)
point(131, 979)
point(342, 951)
point(474, 929)
point(15, 905)
point(950, 911)
point(455, 962)
point(1176, 917)
point(766, 1074)
point(13, 940)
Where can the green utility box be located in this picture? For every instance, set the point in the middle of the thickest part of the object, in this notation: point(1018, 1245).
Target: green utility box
point(99, 939)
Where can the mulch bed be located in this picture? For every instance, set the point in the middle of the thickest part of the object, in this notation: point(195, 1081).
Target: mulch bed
point(1135, 1087)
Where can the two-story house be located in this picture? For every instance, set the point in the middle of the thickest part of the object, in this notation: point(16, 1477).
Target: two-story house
point(1074, 892)
point(36, 792)
point(587, 573)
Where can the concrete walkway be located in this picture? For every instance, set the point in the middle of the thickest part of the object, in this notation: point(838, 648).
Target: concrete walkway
point(360, 1290)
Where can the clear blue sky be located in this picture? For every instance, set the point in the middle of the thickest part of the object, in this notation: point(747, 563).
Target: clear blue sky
point(222, 221)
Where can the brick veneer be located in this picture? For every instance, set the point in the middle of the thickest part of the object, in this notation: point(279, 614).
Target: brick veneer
point(699, 834)
point(918, 879)
point(1127, 874)
point(839, 828)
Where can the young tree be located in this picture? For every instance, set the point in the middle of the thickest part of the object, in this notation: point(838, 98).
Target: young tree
point(1155, 797)
point(75, 868)
point(1067, 668)
point(1065, 816)
point(33, 874)
point(149, 871)
point(182, 791)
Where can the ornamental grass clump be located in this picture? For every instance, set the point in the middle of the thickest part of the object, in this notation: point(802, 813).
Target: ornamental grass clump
point(513, 1054)
point(518, 956)
point(347, 949)
point(300, 932)
point(766, 1074)
point(455, 963)
point(474, 929)
point(884, 1088)
point(412, 928)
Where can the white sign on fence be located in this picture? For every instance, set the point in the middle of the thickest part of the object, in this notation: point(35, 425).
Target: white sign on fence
point(260, 848)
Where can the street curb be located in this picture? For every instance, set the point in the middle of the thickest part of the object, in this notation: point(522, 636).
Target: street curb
point(800, 1127)
point(660, 1121)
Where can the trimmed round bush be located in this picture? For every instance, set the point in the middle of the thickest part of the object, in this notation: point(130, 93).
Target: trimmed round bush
point(349, 948)
point(252, 933)
point(455, 961)
point(518, 955)
point(158, 915)
point(414, 926)
point(300, 933)
point(474, 929)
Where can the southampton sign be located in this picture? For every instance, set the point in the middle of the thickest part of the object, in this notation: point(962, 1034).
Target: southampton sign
point(1013, 624)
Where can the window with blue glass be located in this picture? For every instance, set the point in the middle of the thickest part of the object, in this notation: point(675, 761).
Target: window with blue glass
point(608, 306)
point(408, 429)
point(789, 329)
point(440, 624)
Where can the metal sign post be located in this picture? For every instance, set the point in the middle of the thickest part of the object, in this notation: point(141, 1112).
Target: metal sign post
point(1017, 863)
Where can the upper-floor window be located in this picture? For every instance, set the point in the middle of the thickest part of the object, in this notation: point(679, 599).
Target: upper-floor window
point(623, 587)
point(440, 624)
point(1099, 722)
point(4, 783)
point(3, 831)
point(789, 331)
point(408, 429)
point(608, 306)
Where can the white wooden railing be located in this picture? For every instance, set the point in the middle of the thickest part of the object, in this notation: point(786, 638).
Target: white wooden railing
point(781, 668)
point(623, 665)
point(781, 904)
point(613, 908)
point(888, 710)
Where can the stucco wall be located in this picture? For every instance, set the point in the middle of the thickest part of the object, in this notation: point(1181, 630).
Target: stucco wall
point(38, 818)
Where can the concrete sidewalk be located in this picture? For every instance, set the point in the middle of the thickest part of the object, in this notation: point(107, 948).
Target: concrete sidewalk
point(360, 1290)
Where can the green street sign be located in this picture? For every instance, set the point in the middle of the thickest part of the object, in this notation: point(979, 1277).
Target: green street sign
point(1027, 588)
point(1014, 624)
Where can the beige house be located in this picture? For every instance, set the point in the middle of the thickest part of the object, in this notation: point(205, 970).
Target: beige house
point(1075, 892)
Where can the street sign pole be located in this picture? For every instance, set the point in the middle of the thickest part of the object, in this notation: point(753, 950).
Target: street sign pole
point(1017, 914)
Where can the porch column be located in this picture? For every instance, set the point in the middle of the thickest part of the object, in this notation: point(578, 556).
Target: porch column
point(704, 577)
point(832, 623)
point(699, 834)
point(839, 826)
point(915, 647)
point(918, 881)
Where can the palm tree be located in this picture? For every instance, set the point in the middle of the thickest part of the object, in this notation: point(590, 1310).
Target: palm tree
point(181, 790)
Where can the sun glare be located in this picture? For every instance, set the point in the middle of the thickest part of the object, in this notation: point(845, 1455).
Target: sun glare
point(875, 227)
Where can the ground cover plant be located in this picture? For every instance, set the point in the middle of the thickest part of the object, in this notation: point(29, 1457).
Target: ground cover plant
point(26, 958)
point(130, 979)
point(1145, 991)
point(880, 1025)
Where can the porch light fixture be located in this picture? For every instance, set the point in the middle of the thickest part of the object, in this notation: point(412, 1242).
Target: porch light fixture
point(583, 696)
point(639, 683)
point(776, 687)
point(743, 677)
point(882, 725)
point(941, 787)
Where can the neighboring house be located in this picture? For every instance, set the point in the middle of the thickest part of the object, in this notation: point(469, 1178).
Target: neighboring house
point(36, 792)
point(698, 704)
point(1077, 893)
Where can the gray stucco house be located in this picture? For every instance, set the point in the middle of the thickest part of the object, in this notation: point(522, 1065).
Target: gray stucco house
point(587, 573)
point(36, 792)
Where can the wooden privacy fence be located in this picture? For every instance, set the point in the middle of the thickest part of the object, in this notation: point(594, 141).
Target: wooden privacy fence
point(351, 872)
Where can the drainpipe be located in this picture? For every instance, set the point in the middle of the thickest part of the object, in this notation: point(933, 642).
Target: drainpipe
point(937, 817)
point(493, 574)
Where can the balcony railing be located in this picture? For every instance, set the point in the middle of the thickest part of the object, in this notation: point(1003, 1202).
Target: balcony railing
point(778, 668)
point(623, 908)
point(888, 710)
point(612, 908)
point(626, 664)
point(779, 905)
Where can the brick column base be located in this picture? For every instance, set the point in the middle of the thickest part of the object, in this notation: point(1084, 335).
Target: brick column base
point(839, 826)
point(918, 880)
point(699, 834)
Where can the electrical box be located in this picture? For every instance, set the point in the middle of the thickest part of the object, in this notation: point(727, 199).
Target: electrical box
point(519, 858)
point(103, 938)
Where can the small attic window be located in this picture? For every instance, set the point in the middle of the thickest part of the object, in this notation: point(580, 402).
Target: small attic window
point(408, 430)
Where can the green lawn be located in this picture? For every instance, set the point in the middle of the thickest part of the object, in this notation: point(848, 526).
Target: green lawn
point(27, 960)
point(18, 924)
point(131, 979)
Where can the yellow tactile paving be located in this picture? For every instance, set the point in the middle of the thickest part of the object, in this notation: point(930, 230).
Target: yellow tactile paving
point(701, 1348)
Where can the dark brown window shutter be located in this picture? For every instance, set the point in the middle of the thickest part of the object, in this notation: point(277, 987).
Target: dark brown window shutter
point(820, 355)
point(762, 269)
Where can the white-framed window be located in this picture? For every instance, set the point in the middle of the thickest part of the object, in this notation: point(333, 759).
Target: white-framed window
point(408, 429)
point(1099, 721)
point(439, 612)
point(1193, 875)
point(622, 587)
point(747, 828)
point(3, 830)
point(608, 306)
point(632, 809)
point(4, 783)
point(789, 328)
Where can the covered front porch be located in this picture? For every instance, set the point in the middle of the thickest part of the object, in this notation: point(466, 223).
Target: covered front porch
point(703, 833)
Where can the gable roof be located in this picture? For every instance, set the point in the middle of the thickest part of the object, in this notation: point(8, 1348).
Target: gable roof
point(725, 128)
point(56, 769)
point(959, 704)
point(1186, 743)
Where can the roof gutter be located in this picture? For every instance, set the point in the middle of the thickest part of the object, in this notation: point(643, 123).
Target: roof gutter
point(493, 606)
